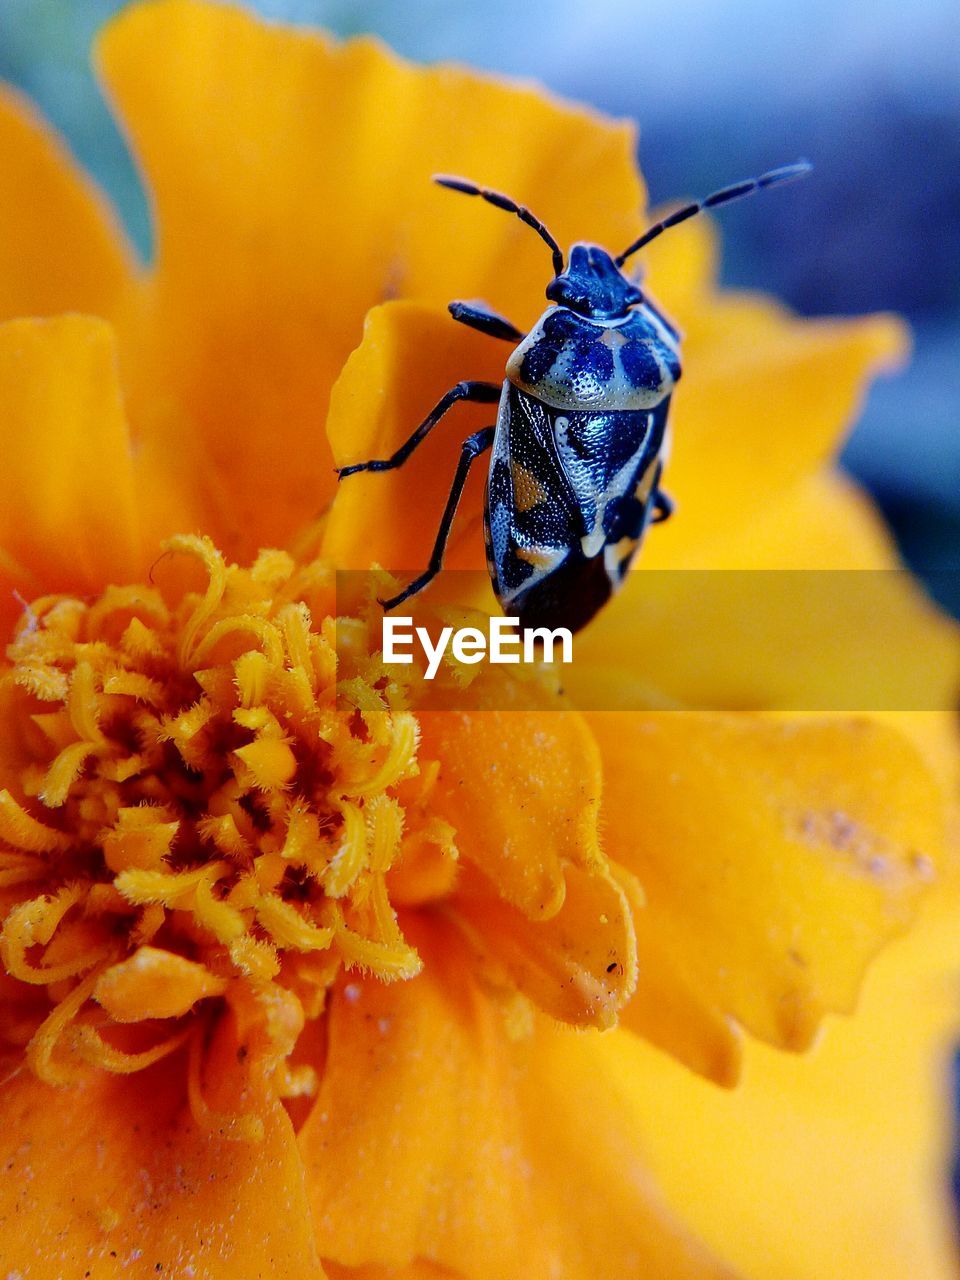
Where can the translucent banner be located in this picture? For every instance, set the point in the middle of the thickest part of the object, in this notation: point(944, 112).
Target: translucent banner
point(719, 640)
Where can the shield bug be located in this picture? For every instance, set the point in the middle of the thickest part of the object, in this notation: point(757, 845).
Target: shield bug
point(580, 441)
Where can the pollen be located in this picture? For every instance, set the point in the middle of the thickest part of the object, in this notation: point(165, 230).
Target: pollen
point(208, 805)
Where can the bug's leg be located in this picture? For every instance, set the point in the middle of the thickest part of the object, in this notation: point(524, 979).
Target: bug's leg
point(470, 450)
point(663, 507)
point(477, 315)
point(478, 392)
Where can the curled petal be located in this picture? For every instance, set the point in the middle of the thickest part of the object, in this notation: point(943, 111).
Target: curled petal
point(522, 790)
point(777, 857)
point(386, 388)
point(580, 965)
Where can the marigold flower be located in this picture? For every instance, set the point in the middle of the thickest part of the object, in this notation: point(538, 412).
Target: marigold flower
point(286, 956)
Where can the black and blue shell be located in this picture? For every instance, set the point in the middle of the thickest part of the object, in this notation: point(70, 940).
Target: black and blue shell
point(580, 443)
point(574, 360)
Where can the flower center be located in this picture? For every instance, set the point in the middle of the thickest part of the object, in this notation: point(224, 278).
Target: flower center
point(199, 807)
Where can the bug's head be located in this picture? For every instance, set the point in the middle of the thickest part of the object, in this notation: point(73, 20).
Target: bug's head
point(592, 282)
point(593, 285)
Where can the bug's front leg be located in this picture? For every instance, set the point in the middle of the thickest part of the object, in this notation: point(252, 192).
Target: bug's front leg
point(472, 448)
point(477, 315)
point(478, 392)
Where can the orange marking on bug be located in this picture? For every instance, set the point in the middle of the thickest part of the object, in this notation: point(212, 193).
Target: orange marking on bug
point(528, 492)
point(539, 557)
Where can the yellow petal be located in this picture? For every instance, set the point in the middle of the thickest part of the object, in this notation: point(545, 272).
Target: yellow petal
point(61, 248)
point(434, 1136)
point(410, 356)
point(269, 254)
point(671, 1010)
point(115, 1176)
point(823, 522)
point(776, 856)
point(680, 270)
point(765, 399)
point(831, 624)
point(834, 1164)
point(418, 1270)
point(516, 820)
point(67, 504)
point(580, 966)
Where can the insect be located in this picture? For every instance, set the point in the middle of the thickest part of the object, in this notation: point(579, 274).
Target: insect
point(581, 436)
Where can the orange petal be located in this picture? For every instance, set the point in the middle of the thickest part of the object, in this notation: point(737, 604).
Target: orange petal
point(270, 254)
point(765, 399)
point(418, 1270)
point(834, 1164)
point(547, 908)
point(516, 820)
point(580, 966)
point(61, 249)
point(114, 1175)
point(410, 356)
point(823, 522)
point(584, 1136)
point(671, 1010)
point(436, 1137)
point(68, 511)
point(820, 629)
point(776, 856)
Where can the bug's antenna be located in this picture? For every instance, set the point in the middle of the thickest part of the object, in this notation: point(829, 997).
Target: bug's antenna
point(504, 202)
point(739, 189)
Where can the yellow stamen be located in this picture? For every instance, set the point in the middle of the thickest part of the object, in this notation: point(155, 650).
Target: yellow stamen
point(19, 868)
point(44, 1041)
point(138, 839)
point(202, 813)
point(19, 828)
point(32, 924)
point(212, 561)
point(347, 863)
point(289, 928)
point(385, 823)
point(89, 1045)
point(271, 763)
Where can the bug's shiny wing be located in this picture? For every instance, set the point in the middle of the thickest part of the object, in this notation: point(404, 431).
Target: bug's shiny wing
point(530, 504)
point(569, 497)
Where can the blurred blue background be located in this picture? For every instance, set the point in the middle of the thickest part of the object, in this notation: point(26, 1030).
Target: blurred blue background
point(867, 89)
